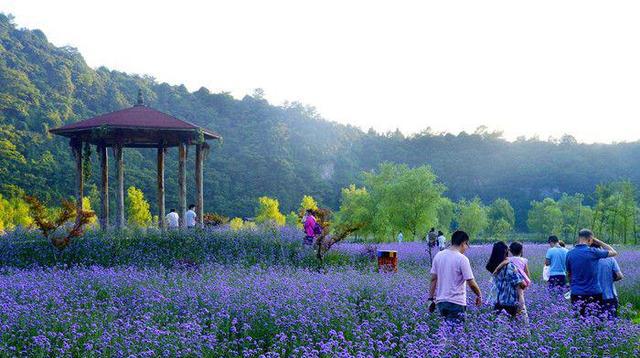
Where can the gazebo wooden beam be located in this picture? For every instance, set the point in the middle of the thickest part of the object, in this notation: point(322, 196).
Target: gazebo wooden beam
point(161, 210)
point(182, 182)
point(104, 187)
point(199, 185)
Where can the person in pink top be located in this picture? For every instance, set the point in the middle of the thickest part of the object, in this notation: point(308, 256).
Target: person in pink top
point(520, 262)
point(309, 225)
point(450, 275)
point(522, 265)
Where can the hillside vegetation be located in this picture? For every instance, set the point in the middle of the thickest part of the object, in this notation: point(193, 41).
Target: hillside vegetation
point(283, 151)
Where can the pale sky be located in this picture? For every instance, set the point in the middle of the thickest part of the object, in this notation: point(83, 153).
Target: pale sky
point(524, 67)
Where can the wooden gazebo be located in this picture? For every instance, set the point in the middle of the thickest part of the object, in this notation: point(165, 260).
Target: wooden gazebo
point(138, 127)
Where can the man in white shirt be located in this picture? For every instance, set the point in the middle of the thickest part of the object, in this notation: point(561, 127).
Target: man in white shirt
point(190, 216)
point(173, 219)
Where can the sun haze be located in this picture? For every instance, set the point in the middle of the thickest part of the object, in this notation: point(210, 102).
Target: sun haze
point(526, 68)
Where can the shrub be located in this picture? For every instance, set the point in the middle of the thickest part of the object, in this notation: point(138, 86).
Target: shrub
point(152, 248)
point(138, 213)
point(293, 220)
point(236, 224)
point(268, 211)
point(213, 219)
point(307, 203)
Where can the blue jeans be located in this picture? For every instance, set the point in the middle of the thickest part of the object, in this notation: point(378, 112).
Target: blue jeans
point(451, 311)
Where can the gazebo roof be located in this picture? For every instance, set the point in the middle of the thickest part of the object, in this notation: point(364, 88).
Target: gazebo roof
point(137, 126)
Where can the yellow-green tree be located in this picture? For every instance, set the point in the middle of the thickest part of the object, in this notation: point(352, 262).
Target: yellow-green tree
point(293, 220)
point(268, 211)
point(356, 210)
point(86, 205)
point(14, 212)
point(236, 224)
point(138, 213)
point(307, 203)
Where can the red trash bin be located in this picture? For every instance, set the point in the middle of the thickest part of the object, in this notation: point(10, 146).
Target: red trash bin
point(387, 261)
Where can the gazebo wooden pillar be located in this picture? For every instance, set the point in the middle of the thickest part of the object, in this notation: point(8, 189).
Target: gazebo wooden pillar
point(138, 127)
point(182, 183)
point(118, 154)
point(199, 184)
point(161, 211)
point(76, 148)
point(104, 187)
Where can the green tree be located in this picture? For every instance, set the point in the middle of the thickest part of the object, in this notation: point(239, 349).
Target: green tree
point(405, 199)
point(545, 217)
point(575, 215)
point(472, 217)
point(268, 211)
point(293, 220)
point(14, 212)
point(501, 217)
point(446, 212)
point(138, 213)
point(356, 210)
point(616, 211)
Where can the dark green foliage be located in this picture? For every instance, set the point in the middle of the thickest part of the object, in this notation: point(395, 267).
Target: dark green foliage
point(283, 152)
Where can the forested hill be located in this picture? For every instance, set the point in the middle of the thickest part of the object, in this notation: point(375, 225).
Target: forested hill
point(279, 151)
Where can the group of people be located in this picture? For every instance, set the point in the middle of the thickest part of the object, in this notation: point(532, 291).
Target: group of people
point(434, 239)
point(173, 219)
point(589, 268)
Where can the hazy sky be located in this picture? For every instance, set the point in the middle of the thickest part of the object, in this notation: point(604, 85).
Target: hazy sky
point(534, 67)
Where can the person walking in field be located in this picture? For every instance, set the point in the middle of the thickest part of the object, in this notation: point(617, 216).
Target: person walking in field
point(556, 258)
point(400, 237)
point(441, 240)
point(190, 216)
point(609, 272)
point(506, 280)
point(450, 275)
point(173, 219)
point(432, 237)
point(582, 271)
point(309, 227)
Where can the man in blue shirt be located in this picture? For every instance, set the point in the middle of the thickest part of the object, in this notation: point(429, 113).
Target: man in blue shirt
point(556, 259)
point(582, 270)
point(608, 272)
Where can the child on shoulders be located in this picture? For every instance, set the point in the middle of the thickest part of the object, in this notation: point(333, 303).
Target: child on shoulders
point(520, 262)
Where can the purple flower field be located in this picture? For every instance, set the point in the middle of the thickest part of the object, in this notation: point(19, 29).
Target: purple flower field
point(280, 311)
